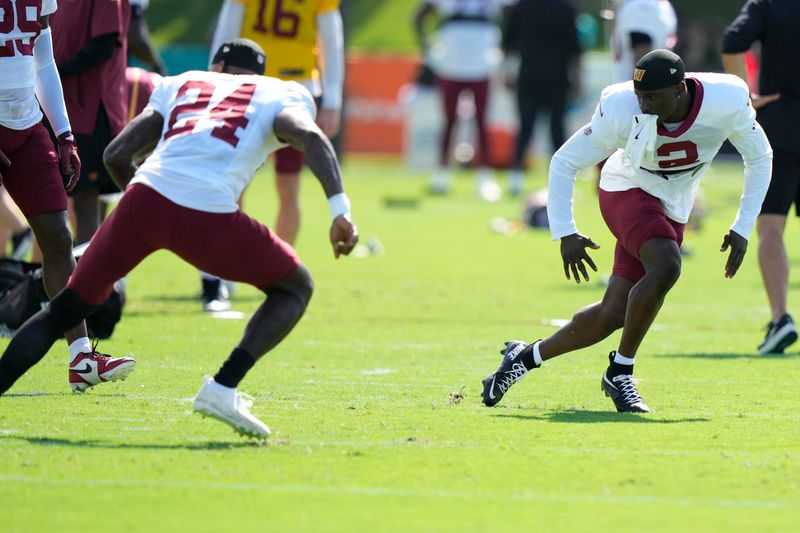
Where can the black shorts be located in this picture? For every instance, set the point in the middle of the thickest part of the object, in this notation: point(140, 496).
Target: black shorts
point(94, 175)
point(784, 189)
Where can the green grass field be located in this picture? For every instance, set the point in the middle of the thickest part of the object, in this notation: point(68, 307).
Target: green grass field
point(374, 400)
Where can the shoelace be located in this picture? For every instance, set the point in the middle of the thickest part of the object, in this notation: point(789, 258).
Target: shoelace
point(243, 402)
point(511, 376)
point(627, 386)
point(95, 354)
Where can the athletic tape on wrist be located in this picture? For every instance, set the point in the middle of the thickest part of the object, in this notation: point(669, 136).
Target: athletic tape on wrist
point(339, 204)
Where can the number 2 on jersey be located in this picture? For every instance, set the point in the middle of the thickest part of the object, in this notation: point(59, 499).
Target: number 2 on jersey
point(230, 110)
point(687, 147)
point(284, 23)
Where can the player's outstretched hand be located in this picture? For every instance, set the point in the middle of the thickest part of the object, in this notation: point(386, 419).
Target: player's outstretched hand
point(738, 246)
point(344, 235)
point(69, 160)
point(573, 252)
point(4, 162)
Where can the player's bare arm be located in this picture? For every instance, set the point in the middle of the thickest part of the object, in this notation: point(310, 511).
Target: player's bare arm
point(573, 252)
point(738, 246)
point(735, 64)
point(138, 138)
point(296, 127)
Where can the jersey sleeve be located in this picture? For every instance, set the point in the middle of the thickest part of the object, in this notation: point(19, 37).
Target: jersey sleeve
point(327, 5)
point(578, 153)
point(159, 99)
point(299, 96)
point(751, 142)
point(743, 117)
point(49, 7)
point(607, 129)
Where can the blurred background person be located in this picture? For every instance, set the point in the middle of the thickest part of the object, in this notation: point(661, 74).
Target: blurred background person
point(90, 39)
point(139, 84)
point(140, 45)
point(639, 27)
point(544, 36)
point(775, 24)
point(465, 50)
point(305, 45)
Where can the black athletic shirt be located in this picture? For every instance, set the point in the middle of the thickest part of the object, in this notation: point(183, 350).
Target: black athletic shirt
point(776, 24)
point(544, 34)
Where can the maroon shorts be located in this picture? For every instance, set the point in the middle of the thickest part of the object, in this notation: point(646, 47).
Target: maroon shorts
point(635, 217)
point(289, 160)
point(232, 246)
point(34, 178)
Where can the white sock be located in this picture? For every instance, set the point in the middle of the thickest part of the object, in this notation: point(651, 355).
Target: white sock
point(78, 347)
point(537, 357)
point(485, 174)
point(622, 360)
point(441, 177)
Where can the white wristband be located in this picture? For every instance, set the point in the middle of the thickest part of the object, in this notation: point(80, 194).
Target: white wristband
point(339, 204)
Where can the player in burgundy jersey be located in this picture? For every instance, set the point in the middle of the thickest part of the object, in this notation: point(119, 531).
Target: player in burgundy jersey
point(211, 132)
point(660, 133)
point(90, 46)
point(31, 168)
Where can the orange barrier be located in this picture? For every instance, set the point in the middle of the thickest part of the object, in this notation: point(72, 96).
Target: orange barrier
point(373, 112)
point(375, 116)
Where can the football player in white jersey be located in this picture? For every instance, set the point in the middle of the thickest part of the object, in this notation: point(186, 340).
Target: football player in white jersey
point(463, 54)
point(661, 132)
point(211, 132)
point(639, 27)
point(31, 169)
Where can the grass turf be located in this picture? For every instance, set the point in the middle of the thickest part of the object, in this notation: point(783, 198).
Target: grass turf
point(374, 399)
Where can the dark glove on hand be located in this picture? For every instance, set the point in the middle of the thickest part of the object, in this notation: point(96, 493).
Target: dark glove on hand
point(69, 160)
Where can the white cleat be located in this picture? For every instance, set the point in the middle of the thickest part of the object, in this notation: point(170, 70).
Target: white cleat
point(488, 189)
point(229, 406)
point(440, 184)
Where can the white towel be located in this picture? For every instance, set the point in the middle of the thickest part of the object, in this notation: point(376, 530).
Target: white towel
point(642, 140)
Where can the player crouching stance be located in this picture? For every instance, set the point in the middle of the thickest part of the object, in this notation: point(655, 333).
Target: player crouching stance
point(661, 132)
point(211, 132)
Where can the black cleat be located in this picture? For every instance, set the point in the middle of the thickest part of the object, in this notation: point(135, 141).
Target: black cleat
point(215, 295)
point(511, 370)
point(780, 335)
point(622, 391)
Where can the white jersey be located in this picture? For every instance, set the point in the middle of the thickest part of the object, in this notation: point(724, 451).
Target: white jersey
point(19, 108)
point(721, 110)
point(218, 130)
point(467, 45)
point(655, 18)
